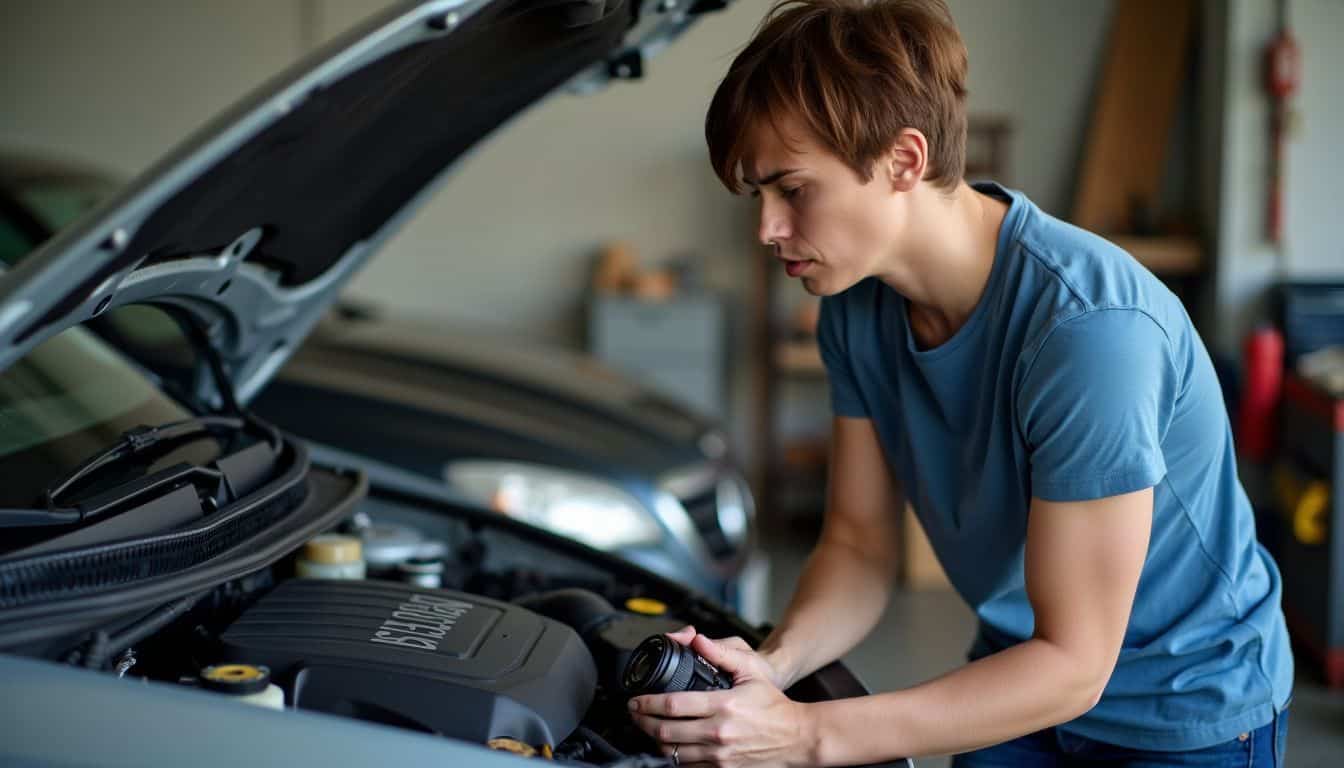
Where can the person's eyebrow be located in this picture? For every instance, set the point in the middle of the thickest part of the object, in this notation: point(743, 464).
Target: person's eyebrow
point(769, 179)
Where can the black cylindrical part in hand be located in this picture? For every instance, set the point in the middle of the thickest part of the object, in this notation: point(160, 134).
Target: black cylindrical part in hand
point(662, 665)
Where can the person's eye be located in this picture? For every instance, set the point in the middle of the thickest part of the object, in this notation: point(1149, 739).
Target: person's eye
point(791, 192)
point(755, 193)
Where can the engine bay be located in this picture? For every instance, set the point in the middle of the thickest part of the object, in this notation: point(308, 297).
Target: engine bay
point(408, 617)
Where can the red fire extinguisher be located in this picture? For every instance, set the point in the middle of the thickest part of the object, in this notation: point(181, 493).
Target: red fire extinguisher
point(1262, 383)
point(1283, 75)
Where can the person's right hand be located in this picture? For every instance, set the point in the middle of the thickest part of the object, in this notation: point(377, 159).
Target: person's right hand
point(753, 725)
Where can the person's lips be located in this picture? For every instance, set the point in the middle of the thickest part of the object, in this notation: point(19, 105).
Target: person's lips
point(796, 268)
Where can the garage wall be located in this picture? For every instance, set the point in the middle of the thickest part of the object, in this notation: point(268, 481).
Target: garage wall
point(1312, 248)
point(118, 83)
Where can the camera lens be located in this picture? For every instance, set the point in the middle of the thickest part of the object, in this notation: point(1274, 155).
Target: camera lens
point(662, 665)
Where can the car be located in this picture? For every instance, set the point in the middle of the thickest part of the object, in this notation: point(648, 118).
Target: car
point(174, 567)
point(543, 434)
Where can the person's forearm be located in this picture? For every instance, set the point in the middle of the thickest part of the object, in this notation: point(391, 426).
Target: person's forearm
point(1012, 693)
point(840, 597)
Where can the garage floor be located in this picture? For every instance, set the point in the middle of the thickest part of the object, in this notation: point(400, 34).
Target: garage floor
point(926, 633)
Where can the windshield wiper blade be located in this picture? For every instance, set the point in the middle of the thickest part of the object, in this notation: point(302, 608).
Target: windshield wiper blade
point(132, 441)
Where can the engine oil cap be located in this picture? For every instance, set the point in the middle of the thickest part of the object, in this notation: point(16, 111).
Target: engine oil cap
point(237, 679)
point(333, 549)
point(646, 606)
point(505, 744)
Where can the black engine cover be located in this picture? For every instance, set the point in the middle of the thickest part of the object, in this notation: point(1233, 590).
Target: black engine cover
point(443, 662)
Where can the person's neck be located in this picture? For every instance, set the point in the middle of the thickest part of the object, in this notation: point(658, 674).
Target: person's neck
point(943, 268)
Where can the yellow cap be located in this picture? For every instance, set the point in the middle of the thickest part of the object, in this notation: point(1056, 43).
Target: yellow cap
point(233, 673)
point(515, 746)
point(645, 605)
point(333, 549)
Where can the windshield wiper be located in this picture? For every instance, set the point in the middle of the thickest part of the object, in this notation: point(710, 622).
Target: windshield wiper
point(132, 441)
point(135, 440)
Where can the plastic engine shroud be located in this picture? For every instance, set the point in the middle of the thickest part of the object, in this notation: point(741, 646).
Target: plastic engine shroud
point(432, 660)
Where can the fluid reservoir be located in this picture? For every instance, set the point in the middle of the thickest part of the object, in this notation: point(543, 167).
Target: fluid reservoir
point(245, 683)
point(331, 556)
point(387, 545)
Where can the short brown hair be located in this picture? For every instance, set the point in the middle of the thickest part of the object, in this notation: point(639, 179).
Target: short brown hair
point(855, 73)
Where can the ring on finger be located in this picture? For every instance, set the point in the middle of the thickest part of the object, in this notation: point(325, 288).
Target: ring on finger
point(675, 761)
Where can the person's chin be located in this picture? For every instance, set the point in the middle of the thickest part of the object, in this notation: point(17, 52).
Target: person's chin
point(819, 286)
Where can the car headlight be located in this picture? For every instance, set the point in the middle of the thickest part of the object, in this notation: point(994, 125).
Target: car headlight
point(571, 504)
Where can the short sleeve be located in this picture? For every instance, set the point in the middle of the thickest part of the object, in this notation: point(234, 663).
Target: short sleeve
point(1095, 404)
point(833, 341)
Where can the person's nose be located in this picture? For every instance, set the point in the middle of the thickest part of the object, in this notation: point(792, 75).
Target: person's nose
point(775, 226)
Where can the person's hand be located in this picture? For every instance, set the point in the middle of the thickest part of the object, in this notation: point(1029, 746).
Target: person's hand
point(754, 724)
point(687, 634)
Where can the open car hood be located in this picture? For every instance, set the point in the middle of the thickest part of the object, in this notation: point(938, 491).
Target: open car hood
point(253, 225)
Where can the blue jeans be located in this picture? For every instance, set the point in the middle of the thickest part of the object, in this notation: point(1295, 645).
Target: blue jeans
point(1261, 748)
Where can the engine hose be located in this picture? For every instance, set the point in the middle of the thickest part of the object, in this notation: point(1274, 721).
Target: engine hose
point(600, 745)
point(106, 646)
point(581, 609)
point(93, 644)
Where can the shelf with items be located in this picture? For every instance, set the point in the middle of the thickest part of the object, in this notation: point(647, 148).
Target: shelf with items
point(1165, 256)
point(791, 463)
point(799, 357)
point(660, 326)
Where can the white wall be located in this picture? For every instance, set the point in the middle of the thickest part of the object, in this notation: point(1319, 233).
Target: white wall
point(1315, 161)
point(118, 83)
point(1247, 264)
point(1037, 61)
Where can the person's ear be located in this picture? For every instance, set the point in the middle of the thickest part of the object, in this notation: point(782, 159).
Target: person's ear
point(907, 159)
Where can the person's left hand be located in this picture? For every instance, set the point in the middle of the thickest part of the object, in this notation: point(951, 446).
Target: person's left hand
point(753, 724)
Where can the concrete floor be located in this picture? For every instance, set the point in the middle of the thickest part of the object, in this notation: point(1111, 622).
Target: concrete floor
point(926, 633)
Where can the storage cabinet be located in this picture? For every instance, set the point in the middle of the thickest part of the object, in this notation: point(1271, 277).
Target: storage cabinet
point(675, 347)
point(1308, 479)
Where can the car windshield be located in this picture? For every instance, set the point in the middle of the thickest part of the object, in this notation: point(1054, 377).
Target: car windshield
point(34, 204)
point(15, 240)
point(57, 200)
point(20, 230)
point(73, 395)
point(67, 399)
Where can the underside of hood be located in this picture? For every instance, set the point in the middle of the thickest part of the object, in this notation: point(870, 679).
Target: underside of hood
point(252, 226)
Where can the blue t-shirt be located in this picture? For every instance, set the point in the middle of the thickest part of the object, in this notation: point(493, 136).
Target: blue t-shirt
point(1078, 376)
